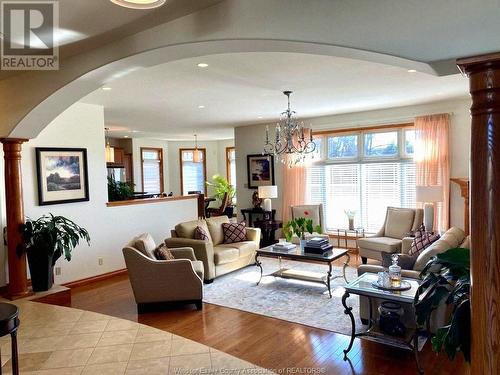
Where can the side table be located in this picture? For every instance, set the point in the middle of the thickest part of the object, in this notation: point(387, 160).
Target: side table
point(268, 228)
point(343, 236)
point(9, 323)
point(266, 215)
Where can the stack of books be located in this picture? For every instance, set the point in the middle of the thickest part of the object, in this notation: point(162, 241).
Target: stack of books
point(317, 245)
point(284, 246)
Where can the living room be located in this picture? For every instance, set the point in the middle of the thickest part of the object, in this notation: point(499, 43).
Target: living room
point(165, 102)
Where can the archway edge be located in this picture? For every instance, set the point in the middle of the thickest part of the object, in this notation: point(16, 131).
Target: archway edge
point(44, 95)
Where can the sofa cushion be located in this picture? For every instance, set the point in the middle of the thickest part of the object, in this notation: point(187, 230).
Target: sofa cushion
point(387, 244)
point(245, 248)
point(215, 228)
point(405, 261)
point(145, 244)
point(225, 254)
point(163, 253)
point(234, 232)
point(186, 229)
point(399, 222)
point(201, 234)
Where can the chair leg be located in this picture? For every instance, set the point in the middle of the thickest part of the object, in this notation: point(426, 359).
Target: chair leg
point(208, 281)
point(199, 305)
point(364, 260)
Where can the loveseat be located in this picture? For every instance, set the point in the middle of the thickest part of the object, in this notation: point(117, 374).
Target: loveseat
point(453, 237)
point(218, 258)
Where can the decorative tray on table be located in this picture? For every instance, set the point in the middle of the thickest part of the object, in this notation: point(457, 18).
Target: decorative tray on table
point(405, 285)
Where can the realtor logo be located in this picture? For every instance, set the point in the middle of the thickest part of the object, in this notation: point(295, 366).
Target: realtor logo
point(28, 35)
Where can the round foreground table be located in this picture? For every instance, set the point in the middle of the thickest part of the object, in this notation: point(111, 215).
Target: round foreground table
point(9, 323)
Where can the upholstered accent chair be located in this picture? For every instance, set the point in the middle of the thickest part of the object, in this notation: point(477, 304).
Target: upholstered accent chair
point(218, 258)
point(398, 223)
point(453, 237)
point(157, 281)
point(311, 211)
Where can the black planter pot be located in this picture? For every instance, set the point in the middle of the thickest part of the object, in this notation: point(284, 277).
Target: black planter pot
point(229, 211)
point(41, 270)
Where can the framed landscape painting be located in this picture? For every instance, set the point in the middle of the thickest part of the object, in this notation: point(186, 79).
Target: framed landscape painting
point(260, 169)
point(62, 175)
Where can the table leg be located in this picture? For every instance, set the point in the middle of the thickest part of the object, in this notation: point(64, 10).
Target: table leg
point(15, 359)
point(259, 264)
point(345, 266)
point(328, 277)
point(348, 311)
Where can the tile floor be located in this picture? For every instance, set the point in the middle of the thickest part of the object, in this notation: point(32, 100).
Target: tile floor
point(59, 340)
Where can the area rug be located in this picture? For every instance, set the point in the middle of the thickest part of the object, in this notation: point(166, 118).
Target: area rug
point(291, 300)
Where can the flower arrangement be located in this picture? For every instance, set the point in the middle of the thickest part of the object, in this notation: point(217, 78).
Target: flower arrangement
point(350, 216)
point(299, 226)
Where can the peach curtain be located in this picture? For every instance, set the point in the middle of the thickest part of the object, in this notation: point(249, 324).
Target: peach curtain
point(432, 161)
point(294, 187)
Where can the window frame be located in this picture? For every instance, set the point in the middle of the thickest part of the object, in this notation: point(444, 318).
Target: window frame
point(350, 159)
point(228, 162)
point(204, 152)
point(160, 154)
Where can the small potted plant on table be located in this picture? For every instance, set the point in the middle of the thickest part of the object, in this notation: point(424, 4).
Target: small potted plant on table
point(300, 226)
point(45, 241)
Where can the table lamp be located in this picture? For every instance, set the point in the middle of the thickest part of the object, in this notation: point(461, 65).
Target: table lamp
point(266, 193)
point(429, 195)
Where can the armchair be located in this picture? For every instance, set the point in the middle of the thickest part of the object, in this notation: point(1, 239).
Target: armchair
point(398, 222)
point(155, 281)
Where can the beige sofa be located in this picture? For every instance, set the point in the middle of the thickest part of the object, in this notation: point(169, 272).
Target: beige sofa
point(155, 281)
point(453, 237)
point(398, 222)
point(218, 258)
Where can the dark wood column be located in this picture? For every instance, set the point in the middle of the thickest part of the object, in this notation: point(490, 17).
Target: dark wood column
point(18, 283)
point(484, 76)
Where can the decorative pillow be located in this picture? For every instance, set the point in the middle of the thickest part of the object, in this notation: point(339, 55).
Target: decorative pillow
point(163, 253)
point(405, 261)
point(234, 232)
point(201, 234)
point(420, 231)
point(421, 242)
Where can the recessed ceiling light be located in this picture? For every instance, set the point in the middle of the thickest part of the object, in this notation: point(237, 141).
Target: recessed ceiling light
point(412, 71)
point(139, 4)
point(202, 65)
point(135, 131)
point(201, 106)
point(106, 88)
point(259, 117)
point(125, 136)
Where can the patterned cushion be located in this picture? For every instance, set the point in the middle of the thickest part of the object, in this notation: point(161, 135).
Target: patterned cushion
point(420, 231)
point(163, 253)
point(421, 242)
point(234, 232)
point(201, 234)
point(405, 261)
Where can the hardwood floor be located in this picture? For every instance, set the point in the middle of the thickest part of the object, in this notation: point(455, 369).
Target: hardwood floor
point(267, 342)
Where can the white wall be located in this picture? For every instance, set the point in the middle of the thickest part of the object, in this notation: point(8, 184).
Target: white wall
point(82, 126)
point(250, 139)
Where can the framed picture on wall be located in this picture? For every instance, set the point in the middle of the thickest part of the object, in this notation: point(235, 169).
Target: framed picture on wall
point(62, 175)
point(260, 170)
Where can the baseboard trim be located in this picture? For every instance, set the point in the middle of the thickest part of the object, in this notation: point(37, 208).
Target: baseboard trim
point(94, 279)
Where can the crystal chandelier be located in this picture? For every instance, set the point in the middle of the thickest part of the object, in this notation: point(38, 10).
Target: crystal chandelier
point(293, 141)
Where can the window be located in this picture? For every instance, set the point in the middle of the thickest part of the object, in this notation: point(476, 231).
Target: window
point(193, 171)
point(383, 175)
point(231, 165)
point(152, 170)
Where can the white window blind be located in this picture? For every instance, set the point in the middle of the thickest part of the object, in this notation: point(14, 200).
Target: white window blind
point(193, 173)
point(151, 171)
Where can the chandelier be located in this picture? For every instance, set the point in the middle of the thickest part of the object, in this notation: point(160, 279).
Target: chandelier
point(293, 141)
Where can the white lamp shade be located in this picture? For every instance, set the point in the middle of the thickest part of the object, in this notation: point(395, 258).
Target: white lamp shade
point(429, 194)
point(270, 191)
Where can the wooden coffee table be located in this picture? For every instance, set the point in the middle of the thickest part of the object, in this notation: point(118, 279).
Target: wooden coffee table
point(300, 256)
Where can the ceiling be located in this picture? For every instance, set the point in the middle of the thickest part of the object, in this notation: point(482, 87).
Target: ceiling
point(245, 88)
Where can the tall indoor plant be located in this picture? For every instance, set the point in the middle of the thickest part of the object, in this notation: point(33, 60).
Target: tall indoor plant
point(447, 280)
point(46, 240)
point(221, 186)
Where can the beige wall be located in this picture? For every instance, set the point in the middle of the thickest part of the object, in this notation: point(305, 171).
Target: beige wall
point(250, 139)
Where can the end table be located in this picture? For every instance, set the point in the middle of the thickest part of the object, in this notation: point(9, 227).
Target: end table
point(268, 228)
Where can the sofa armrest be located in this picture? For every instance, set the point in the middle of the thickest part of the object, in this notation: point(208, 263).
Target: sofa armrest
point(203, 251)
point(253, 234)
point(406, 244)
point(183, 253)
point(372, 268)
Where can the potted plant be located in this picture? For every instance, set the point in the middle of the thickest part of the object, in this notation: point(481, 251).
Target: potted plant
point(447, 279)
point(119, 191)
point(300, 226)
point(221, 187)
point(45, 241)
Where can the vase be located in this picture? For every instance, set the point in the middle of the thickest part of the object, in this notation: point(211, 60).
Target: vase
point(302, 244)
point(351, 224)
